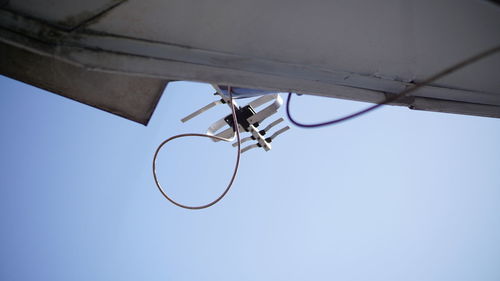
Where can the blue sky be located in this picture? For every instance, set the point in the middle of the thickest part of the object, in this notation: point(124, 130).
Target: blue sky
point(394, 195)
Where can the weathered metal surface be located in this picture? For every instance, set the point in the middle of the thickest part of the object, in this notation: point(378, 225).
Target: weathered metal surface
point(437, 105)
point(358, 50)
point(399, 40)
point(66, 14)
point(131, 97)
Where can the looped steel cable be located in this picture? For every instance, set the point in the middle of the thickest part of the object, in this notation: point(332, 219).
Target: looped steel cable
point(407, 91)
point(236, 166)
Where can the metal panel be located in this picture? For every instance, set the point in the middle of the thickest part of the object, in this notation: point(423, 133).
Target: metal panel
point(131, 97)
point(399, 40)
point(66, 14)
point(359, 50)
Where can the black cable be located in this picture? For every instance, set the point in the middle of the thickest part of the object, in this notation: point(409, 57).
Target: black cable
point(407, 91)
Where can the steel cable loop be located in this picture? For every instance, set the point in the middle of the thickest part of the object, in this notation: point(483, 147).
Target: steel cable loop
point(405, 92)
point(236, 166)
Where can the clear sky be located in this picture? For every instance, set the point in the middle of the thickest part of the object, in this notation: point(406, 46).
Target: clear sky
point(394, 195)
